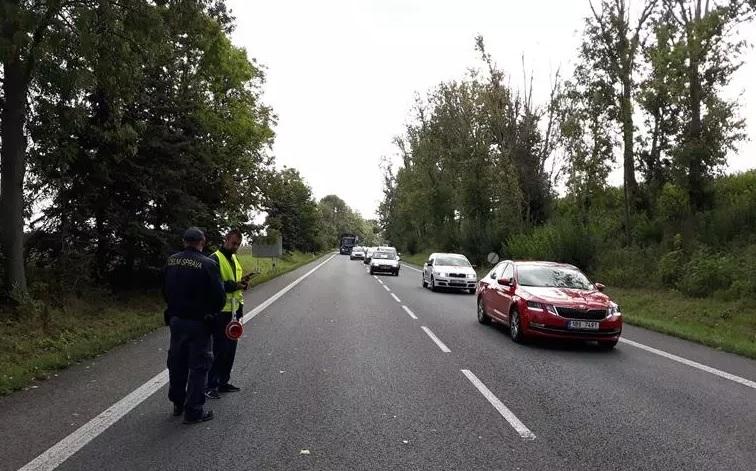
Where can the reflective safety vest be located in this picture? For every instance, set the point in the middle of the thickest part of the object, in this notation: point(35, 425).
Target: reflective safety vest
point(234, 299)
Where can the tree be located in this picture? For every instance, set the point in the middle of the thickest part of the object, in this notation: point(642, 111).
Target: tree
point(706, 52)
point(292, 211)
point(159, 111)
point(24, 31)
point(611, 45)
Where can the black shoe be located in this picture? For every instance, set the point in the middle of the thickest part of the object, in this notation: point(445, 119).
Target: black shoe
point(212, 394)
point(227, 388)
point(203, 418)
point(178, 409)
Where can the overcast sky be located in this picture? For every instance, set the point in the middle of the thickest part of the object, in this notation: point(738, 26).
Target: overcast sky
point(342, 75)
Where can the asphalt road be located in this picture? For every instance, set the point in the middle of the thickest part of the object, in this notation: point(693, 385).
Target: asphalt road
point(342, 372)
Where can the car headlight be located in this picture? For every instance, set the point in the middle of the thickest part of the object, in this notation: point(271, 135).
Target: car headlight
point(614, 310)
point(540, 307)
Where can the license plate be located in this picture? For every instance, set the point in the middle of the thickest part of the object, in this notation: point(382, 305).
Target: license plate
point(584, 325)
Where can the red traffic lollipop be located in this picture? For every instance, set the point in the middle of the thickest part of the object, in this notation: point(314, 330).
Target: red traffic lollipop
point(234, 330)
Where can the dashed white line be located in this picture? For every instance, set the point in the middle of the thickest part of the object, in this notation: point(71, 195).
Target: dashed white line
point(78, 439)
point(410, 313)
point(395, 298)
point(386, 288)
point(438, 341)
point(500, 407)
point(376, 277)
point(379, 281)
point(694, 364)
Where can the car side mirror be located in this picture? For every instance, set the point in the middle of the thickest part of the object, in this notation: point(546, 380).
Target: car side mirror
point(600, 287)
point(506, 281)
point(398, 259)
point(429, 262)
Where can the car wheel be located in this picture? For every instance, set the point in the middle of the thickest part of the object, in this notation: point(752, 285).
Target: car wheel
point(515, 326)
point(371, 271)
point(425, 283)
point(433, 284)
point(482, 316)
point(396, 273)
point(607, 345)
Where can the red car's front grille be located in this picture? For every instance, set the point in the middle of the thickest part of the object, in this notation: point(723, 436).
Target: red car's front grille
point(591, 314)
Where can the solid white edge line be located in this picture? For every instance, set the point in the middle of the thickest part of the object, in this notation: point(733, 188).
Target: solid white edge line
point(395, 298)
point(386, 288)
point(412, 268)
point(79, 438)
point(694, 364)
point(410, 313)
point(516, 424)
point(438, 341)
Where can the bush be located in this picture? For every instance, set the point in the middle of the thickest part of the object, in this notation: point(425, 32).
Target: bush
point(562, 241)
point(671, 268)
point(627, 267)
point(673, 203)
point(705, 273)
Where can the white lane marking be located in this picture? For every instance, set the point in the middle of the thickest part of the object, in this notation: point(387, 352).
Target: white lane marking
point(412, 268)
point(395, 298)
point(438, 342)
point(411, 314)
point(685, 361)
point(78, 439)
point(379, 281)
point(376, 277)
point(386, 288)
point(500, 407)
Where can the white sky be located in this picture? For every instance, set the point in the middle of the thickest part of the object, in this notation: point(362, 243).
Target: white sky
point(342, 75)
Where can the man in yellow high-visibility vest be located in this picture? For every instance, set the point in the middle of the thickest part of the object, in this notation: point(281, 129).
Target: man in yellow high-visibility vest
point(224, 349)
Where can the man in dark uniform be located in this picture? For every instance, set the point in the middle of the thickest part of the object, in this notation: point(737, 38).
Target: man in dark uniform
point(234, 283)
point(193, 290)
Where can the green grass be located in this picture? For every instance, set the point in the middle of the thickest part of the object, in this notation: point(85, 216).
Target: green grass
point(36, 344)
point(40, 341)
point(417, 259)
point(270, 268)
point(725, 325)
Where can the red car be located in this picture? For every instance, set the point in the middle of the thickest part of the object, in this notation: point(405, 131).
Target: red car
point(545, 299)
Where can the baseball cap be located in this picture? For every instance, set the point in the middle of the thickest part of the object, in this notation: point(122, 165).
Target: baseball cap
point(194, 234)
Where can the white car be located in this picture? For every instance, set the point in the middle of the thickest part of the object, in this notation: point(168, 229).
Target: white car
point(358, 253)
point(384, 262)
point(449, 270)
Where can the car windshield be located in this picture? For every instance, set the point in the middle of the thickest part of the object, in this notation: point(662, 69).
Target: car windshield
point(552, 277)
point(451, 261)
point(385, 255)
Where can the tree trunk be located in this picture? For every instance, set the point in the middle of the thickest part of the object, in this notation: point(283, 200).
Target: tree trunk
point(630, 184)
point(12, 167)
point(695, 156)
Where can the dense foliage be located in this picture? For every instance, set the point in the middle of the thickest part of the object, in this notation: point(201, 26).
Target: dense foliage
point(480, 162)
point(142, 119)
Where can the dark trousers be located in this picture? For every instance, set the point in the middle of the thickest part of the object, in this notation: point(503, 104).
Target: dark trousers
point(189, 360)
point(224, 352)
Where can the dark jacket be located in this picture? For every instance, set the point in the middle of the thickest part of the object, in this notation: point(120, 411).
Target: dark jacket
point(192, 286)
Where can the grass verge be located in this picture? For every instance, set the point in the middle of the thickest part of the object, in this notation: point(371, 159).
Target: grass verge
point(724, 325)
point(42, 340)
